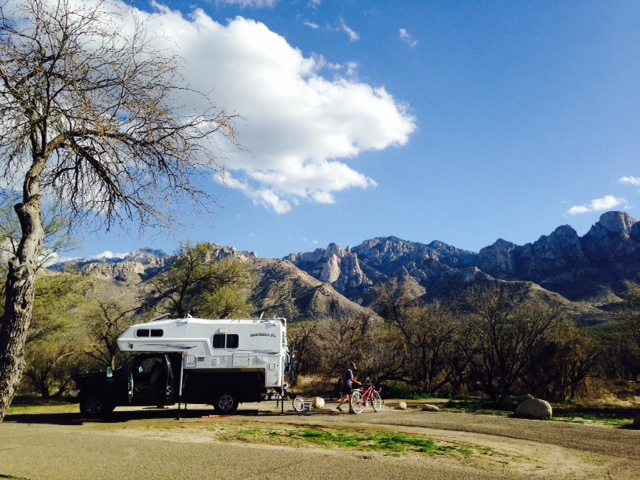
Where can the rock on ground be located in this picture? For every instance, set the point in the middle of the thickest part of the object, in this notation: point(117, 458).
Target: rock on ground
point(534, 408)
point(427, 407)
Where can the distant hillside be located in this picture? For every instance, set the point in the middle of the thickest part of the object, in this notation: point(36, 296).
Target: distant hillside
point(587, 274)
point(281, 288)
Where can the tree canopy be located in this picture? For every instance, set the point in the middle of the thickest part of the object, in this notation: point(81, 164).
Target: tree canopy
point(94, 119)
point(197, 283)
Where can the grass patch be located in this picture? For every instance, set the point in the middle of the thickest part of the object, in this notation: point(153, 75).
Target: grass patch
point(597, 420)
point(43, 407)
point(606, 415)
point(386, 443)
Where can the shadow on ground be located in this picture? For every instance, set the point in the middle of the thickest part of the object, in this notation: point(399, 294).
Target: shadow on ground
point(150, 413)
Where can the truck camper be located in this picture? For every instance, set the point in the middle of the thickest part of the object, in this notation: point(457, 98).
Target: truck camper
point(190, 360)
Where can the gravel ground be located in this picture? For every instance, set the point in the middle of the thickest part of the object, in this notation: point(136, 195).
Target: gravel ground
point(153, 444)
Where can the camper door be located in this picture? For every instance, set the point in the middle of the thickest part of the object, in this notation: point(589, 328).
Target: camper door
point(153, 380)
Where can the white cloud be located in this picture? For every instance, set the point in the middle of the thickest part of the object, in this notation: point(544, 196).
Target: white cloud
point(299, 127)
point(635, 181)
point(607, 202)
point(351, 68)
point(353, 36)
point(407, 38)
point(54, 257)
point(250, 3)
point(108, 254)
point(309, 24)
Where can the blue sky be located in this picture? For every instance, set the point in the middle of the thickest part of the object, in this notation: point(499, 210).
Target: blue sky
point(462, 122)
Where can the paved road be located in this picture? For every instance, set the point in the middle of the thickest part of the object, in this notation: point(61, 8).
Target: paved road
point(64, 447)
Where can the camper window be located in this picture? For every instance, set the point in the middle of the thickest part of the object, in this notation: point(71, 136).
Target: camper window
point(145, 332)
point(222, 340)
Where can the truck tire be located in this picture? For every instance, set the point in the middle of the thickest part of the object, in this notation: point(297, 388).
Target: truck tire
point(95, 405)
point(226, 403)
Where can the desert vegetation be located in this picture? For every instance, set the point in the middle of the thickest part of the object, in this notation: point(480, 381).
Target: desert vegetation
point(497, 341)
point(92, 137)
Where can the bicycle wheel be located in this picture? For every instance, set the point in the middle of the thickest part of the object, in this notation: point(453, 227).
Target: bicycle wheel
point(356, 401)
point(376, 401)
point(298, 404)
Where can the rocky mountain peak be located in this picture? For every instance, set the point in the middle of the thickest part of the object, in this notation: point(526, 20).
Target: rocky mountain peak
point(565, 235)
point(497, 258)
point(145, 256)
point(612, 223)
point(585, 269)
point(218, 252)
point(333, 249)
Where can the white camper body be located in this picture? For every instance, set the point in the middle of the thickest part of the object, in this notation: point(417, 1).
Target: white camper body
point(240, 345)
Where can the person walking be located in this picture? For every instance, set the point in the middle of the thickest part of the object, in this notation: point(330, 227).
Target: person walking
point(348, 380)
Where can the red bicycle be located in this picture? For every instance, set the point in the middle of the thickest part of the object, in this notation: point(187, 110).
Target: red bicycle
point(361, 399)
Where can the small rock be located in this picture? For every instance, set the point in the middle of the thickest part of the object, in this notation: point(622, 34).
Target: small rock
point(401, 406)
point(427, 407)
point(534, 408)
point(318, 402)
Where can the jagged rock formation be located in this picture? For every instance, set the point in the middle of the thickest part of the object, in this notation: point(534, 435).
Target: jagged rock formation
point(355, 270)
point(592, 268)
point(281, 288)
point(583, 272)
point(133, 268)
point(579, 268)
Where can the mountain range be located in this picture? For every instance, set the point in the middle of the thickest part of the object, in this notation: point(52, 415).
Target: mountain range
point(588, 274)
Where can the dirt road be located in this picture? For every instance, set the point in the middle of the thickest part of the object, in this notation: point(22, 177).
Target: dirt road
point(153, 444)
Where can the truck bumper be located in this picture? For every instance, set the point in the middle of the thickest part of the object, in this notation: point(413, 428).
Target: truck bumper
point(72, 395)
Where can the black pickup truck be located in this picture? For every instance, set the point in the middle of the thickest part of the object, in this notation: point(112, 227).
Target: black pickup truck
point(153, 379)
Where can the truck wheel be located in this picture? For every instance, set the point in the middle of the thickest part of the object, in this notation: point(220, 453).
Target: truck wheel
point(226, 404)
point(95, 405)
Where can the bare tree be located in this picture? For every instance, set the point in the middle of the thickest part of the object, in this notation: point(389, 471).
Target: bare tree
point(303, 343)
point(346, 337)
point(392, 298)
point(563, 365)
point(629, 317)
point(503, 331)
point(89, 117)
point(429, 333)
point(105, 326)
point(48, 365)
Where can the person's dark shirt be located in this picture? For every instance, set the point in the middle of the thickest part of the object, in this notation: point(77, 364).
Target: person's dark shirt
point(347, 377)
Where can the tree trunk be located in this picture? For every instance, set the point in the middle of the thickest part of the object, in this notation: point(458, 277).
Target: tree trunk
point(20, 294)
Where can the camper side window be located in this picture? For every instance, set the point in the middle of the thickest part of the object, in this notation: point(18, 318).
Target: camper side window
point(145, 332)
point(222, 340)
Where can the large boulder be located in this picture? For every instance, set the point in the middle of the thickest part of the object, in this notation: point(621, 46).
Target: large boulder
point(318, 402)
point(427, 407)
point(401, 406)
point(534, 408)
